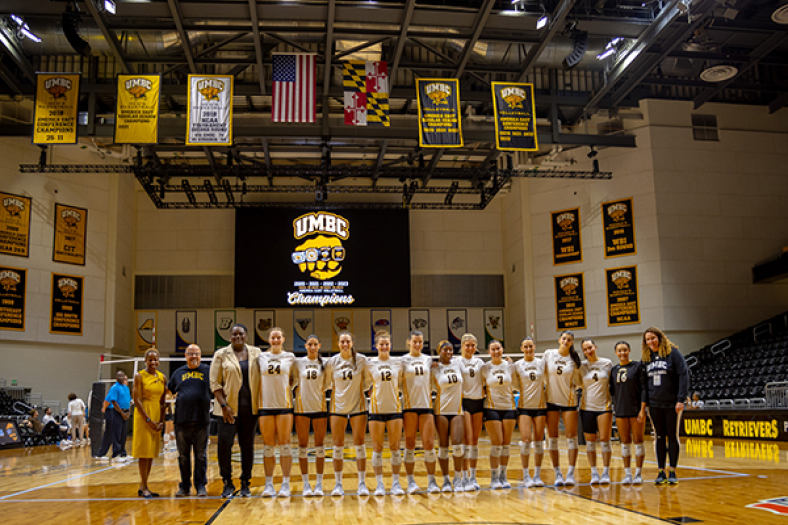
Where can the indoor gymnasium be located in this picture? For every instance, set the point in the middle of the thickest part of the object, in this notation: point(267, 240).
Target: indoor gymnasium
point(435, 262)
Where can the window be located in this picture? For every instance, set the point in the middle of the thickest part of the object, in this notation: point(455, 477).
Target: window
point(704, 127)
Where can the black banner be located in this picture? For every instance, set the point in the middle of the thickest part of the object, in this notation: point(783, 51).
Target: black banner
point(515, 116)
point(570, 307)
point(440, 124)
point(623, 306)
point(618, 223)
point(66, 316)
point(566, 237)
point(769, 426)
point(13, 293)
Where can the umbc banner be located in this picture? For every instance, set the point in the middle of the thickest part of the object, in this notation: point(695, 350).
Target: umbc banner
point(210, 112)
point(622, 296)
point(13, 293)
point(71, 225)
point(137, 114)
point(618, 223)
point(66, 309)
point(440, 124)
point(515, 120)
point(567, 246)
point(55, 117)
point(570, 307)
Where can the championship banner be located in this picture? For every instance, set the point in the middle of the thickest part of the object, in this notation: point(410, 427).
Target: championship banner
point(15, 224)
point(493, 327)
point(420, 320)
point(341, 320)
point(264, 320)
point(66, 308)
point(567, 246)
point(570, 308)
point(209, 115)
point(185, 330)
point(380, 321)
point(55, 112)
point(13, 296)
point(623, 306)
point(223, 321)
point(515, 116)
point(147, 323)
point(137, 112)
point(71, 224)
point(440, 122)
point(618, 223)
point(303, 327)
point(457, 321)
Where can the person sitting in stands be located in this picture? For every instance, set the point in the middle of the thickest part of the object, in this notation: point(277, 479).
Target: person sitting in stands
point(33, 422)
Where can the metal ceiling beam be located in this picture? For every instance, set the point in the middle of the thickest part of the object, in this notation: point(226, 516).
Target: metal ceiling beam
point(360, 47)
point(766, 47)
point(207, 51)
point(175, 10)
point(556, 23)
point(258, 45)
point(778, 103)
point(407, 17)
point(240, 68)
point(18, 57)
point(8, 77)
point(379, 162)
point(431, 66)
point(331, 12)
point(436, 157)
point(478, 25)
point(109, 36)
point(288, 42)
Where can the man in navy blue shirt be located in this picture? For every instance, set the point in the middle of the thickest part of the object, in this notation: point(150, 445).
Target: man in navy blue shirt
point(116, 412)
point(192, 387)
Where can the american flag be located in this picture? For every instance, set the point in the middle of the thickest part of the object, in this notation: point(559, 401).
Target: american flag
point(294, 88)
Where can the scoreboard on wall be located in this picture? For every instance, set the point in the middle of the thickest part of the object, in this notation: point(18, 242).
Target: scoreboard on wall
point(318, 259)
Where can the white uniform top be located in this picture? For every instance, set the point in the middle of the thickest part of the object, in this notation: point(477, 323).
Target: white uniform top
point(312, 385)
point(416, 384)
point(347, 384)
point(562, 378)
point(386, 380)
point(501, 381)
point(596, 385)
point(278, 376)
point(472, 378)
point(532, 384)
point(447, 381)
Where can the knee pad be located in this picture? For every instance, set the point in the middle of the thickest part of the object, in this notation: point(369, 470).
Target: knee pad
point(552, 444)
point(268, 451)
point(640, 449)
point(396, 457)
point(285, 450)
point(495, 451)
point(590, 446)
point(538, 447)
point(429, 455)
point(377, 459)
point(458, 451)
point(443, 452)
point(605, 446)
point(303, 452)
point(571, 444)
point(505, 451)
point(339, 452)
point(410, 455)
point(525, 448)
point(361, 452)
point(473, 452)
point(320, 451)
point(625, 451)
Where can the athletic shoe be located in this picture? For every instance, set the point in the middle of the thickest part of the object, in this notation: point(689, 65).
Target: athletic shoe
point(362, 489)
point(594, 478)
point(474, 484)
point(318, 491)
point(245, 492)
point(537, 482)
point(101, 458)
point(396, 489)
point(559, 480)
point(627, 480)
point(458, 484)
point(284, 490)
point(338, 490)
point(570, 480)
point(433, 488)
point(201, 492)
point(638, 479)
point(672, 479)
point(182, 493)
point(447, 487)
point(495, 483)
point(661, 479)
point(306, 491)
point(269, 491)
point(228, 490)
point(380, 490)
point(504, 482)
point(605, 479)
point(412, 487)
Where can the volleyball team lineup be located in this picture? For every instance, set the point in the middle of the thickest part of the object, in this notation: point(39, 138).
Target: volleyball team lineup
point(451, 397)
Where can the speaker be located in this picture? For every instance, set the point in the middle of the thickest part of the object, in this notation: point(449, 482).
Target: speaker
point(96, 416)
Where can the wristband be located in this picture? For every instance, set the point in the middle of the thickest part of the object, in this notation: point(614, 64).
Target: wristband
point(224, 405)
point(148, 420)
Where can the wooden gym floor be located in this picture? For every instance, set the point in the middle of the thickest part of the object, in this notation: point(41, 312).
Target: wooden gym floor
point(718, 480)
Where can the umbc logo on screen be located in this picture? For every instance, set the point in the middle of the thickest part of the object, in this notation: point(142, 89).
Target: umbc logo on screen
point(775, 505)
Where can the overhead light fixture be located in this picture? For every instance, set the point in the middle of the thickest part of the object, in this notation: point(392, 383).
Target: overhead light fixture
point(780, 15)
point(109, 7)
point(610, 49)
point(719, 73)
point(23, 30)
point(542, 21)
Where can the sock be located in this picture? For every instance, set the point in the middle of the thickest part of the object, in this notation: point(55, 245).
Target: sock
point(305, 479)
point(430, 478)
point(269, 480)
point(446, 479)
point(379, 477)
point(411, 479)
point(628, 471)
point(593, 470)
point(466, 474)
point(557, 470)
point(361, 477)
point(537, 471)
point(285, 480)
point(494, 472)
point(638, 471)
point(502, 471)
point(570, 471)
point(338, 476)
point(606, 471)
point(473, 473)
point(320, 478)
point(394, 478)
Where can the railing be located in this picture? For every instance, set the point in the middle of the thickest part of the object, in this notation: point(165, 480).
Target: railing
point(719, 347)
point(34, 399)
point(763, 328)
point(692, 362)
point(777, 394)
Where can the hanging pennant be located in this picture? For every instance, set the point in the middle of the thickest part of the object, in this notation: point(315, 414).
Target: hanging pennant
point(210, 111)
point(137, 113)
point(55, 112)
point(71, 225)
point(185, 330)
point(440, 124)
point(15, 224)
point(515, 116)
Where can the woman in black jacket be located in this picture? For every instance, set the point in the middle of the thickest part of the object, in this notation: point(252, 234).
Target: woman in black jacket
point(668, 382)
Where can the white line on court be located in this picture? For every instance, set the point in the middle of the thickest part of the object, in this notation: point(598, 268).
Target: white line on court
point(54, 483)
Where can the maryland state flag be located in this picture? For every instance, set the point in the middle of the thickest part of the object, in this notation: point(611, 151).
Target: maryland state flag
point(366, 93)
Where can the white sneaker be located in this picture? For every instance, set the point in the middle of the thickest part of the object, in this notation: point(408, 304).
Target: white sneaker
point(537, 481)
point(458, 485)
point(594, 478)
point(338, 490)
point(559, 480)
point(362, 489)
point(495, 483)
point(447, 487)
point(605, 479)
point(396, 489)
point(627, 480)
point(504, 482)
point(432, 487)
point(269, 491)
point(412, 487)
point(638, 480)
point(318, 491)
point(380, 490)
point(284, 490)
point(528, 482)
point(474, 484)
point(570, 480)
point(101, 458)
point(307, 490)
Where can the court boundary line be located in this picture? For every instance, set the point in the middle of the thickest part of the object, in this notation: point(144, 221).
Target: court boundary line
point(219, 511)
point(33, 489)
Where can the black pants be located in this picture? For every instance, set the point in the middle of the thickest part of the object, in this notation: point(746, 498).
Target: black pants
point(245, 426)
point(192, 437)
point(114, 434)
point(666, 428)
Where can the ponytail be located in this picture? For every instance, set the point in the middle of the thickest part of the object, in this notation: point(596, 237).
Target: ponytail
point(572, 352)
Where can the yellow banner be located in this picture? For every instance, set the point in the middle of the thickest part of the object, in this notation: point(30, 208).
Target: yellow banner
point(55, 118)
point(14, 224)
point(70, 234)
point(137, 114)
